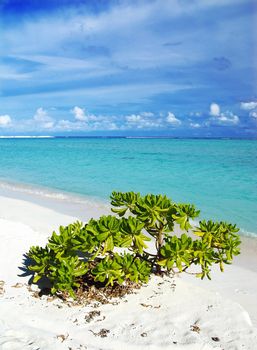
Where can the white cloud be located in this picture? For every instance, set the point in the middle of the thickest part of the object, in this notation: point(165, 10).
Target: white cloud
point(195, 125)
point(147, 120)
point(79, 113)
point(42, 118)
point(68, 125)
point(143, 120)
point(218, 117)
point(214, 110)
point(86, 122)
point(40, 115)
point(5, 120)
point(134, 118)
point(253, 114)
point(171, 119)
point(81, 116)
point(228, 118)
point(248, 105)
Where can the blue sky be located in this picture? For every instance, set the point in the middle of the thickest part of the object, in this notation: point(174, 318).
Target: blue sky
point(161, 67)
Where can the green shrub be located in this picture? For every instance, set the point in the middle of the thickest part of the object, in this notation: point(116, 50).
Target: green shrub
point(114, 249)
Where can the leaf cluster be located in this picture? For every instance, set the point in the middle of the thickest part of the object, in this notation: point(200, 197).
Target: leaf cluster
point(115, 249)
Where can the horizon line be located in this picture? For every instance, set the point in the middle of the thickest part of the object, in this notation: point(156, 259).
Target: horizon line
point(123, 137)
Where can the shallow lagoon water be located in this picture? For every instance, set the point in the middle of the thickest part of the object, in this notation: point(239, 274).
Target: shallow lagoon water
point(218, 176)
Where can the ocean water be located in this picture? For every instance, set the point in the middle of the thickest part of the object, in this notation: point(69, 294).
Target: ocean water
point(218, 176)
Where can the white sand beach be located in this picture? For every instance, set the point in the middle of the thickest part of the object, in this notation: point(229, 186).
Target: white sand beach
point(170, 313)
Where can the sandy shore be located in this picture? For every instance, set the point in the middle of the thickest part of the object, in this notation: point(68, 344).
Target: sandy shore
point(170, 313)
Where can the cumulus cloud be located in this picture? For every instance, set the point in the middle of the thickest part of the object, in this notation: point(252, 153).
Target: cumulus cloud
point(68, 125)
point(147, 120)
point(86, 122)
point(214, 110)
point(134, 118)
point(227, 118)
point(248, 105)
point(171, 119)
point(79, 113)
point(143, 120)
point(195, 125)
point(5, 120)
point(43, 119)
point(40, 115)
point(253, 114)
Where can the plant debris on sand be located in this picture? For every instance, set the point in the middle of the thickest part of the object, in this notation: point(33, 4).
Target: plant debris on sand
point(103, 294)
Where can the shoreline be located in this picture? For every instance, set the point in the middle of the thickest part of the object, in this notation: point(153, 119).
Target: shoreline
point(79, 206)
point(224, 308)
point(71, 203)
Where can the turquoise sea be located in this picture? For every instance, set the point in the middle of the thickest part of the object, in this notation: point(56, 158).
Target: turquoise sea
point(219, 176)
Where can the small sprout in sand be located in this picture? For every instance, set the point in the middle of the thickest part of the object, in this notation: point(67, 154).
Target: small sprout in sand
point(81, 260)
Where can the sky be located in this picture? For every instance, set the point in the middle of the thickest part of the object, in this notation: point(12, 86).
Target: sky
point(128, 68)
